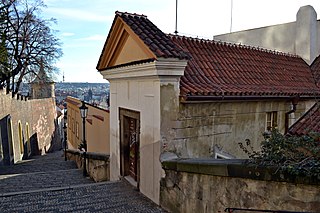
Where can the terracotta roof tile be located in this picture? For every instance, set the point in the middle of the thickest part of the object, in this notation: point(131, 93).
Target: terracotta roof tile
point(309, 122)
point(315, 67)
point(222, 68)
point(158, 42)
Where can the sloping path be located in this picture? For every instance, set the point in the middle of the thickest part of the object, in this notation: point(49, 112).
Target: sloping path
point(50, 184)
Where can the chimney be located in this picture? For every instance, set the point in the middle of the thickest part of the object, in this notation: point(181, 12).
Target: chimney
point(306, 34)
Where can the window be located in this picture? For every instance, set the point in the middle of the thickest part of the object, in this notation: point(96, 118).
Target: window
point(73, 126)
point(69, 122)
point(77, 129)
point(271, 120)
point(20, 137)
point(218, 153)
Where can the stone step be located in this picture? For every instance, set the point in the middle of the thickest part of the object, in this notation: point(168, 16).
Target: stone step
point(50, 184)
point(49, 162)
point(27, 167)
point(102, 197)
point(41, 180)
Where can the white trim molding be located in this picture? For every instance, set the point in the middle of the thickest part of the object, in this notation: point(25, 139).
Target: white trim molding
point(160, 67)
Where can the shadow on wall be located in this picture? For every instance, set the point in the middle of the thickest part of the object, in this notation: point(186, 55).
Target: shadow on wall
point(7, 157)
point(34, 145)
point(55, 144)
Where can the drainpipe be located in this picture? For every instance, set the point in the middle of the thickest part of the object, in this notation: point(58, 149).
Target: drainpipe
point(294, 103)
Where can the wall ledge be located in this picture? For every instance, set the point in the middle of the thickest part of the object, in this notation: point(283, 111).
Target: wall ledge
point(234, 168)
point(89, 155)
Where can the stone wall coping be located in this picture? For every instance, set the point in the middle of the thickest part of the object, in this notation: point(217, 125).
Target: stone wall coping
point(90, 155)
point(234, 168)
point(74, 151)
point(98, 156)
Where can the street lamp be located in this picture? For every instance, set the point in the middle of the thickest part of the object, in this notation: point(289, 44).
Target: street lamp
point(84, 112)
point(65, 133)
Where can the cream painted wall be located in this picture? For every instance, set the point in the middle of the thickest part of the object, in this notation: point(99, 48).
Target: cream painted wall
point(299, 37)
point(74, 123)
point(98, 130)
point(131, 51)
point(97, 127)
point(278, 37)
point(141, 95)
point(138, 88)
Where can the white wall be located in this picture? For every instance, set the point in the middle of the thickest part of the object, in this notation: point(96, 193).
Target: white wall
point(138, 88)
point(140, 95)
point(300, 37)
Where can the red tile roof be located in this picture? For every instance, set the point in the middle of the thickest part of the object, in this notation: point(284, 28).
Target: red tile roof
point(222, 70)
point(158, 42)
point(308, 123)
point(315, 67)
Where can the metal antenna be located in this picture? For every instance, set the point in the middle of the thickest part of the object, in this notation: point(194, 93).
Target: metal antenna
point(176, 31)
point(231, 16)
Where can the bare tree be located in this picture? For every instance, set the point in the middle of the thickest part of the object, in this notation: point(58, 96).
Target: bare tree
point(29, 41)
point(4, 65)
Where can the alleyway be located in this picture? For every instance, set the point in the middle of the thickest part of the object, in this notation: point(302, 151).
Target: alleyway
point(50, 184)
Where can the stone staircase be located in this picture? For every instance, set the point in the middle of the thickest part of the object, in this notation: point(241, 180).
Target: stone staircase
point(50, 184)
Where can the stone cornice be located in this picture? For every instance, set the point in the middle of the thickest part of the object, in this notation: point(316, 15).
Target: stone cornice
point(161, 67)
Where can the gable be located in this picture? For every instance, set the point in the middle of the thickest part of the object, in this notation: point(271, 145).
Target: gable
point(123, 46)
point(308, 123)
point(215, 70)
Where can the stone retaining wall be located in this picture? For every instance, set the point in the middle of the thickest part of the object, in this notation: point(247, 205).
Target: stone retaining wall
point(215, 185)
point(37, 121)
point(97, 164)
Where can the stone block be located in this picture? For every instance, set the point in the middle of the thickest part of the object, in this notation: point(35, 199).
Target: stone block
point(99, 170)
point(214, 185)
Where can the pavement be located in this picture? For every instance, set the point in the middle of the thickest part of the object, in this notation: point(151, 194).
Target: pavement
point(49, 184)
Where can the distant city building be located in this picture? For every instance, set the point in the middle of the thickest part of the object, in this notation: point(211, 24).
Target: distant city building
point(96, 94)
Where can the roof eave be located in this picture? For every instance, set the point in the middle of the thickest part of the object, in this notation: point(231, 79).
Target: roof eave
point(210, 98)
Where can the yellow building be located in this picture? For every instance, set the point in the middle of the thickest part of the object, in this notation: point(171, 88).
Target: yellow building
point(97, 127)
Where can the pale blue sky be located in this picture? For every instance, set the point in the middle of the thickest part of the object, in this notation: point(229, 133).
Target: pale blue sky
point(84, 25)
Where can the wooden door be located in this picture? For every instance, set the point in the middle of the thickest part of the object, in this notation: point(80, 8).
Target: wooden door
point(133, 148)
point(129, 143)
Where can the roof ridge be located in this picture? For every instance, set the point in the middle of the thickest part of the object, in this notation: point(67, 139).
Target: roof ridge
point(119, 13)
point(230, 44)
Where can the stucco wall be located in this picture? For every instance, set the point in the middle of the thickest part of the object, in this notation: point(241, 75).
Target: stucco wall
point(98, 130)
point(278, 37)
point(152, 90)
point(141, 95)
point(299, 37)
point(213, 186)
point(197, 128)
point(40, 114)
point(97, 127)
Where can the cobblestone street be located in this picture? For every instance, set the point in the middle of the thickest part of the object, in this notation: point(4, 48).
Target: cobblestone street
point(50, 184)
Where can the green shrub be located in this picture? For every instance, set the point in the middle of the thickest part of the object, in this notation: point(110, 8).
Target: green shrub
point(297, 155)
